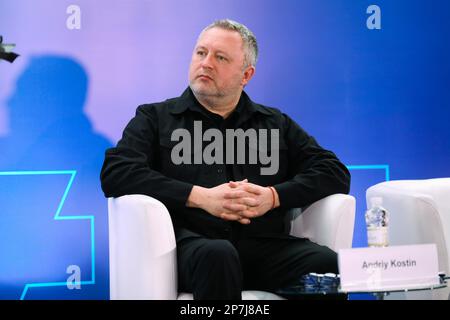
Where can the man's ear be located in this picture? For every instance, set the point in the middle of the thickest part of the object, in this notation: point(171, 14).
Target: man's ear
point(248, 74)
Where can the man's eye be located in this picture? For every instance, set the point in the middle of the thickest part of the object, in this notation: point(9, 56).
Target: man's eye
point(221, 58)
point(200, 53)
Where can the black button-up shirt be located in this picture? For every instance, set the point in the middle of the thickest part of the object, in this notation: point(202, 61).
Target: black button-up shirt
point(141, 163)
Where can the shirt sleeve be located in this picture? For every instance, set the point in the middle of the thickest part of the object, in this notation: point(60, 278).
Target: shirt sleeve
point(128, 168)
point(315, 172)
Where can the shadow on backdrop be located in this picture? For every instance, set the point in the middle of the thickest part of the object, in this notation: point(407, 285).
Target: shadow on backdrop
point(49, 131)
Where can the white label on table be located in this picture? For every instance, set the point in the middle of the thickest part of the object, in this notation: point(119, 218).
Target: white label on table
point(388, 268)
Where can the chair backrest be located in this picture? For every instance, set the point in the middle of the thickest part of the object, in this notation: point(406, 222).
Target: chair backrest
point(419, 213)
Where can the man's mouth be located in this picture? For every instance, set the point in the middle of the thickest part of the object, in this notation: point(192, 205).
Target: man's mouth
point(204, 77)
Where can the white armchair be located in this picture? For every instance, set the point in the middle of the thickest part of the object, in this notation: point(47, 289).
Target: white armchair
point(419, 213)
point(142, 245)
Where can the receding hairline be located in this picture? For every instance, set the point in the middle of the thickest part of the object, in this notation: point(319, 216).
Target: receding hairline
point(224, 29)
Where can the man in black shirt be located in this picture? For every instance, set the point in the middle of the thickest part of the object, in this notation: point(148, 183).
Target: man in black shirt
point(228, 170)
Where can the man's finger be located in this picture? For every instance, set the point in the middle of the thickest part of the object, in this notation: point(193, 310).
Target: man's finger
point(240, 204)
point(232, 206)
point(252, 188)
point(244, 221)
point(235, 184)
point(230, 216)
point(234, 217)
point(249, 213)
point(248, 201)
point(236, 194)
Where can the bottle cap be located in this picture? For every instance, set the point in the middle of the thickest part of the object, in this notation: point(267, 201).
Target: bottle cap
point(376, 201)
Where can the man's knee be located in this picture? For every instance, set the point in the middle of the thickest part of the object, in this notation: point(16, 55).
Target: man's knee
point(325, 260)
point(218, 251)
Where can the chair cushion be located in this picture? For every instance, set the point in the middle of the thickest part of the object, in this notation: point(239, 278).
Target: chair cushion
point(246, 295)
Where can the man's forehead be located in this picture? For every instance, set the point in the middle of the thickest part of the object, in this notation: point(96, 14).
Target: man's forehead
point(219, 38)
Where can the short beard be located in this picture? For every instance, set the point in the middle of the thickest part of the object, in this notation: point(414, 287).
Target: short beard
point(206, 94)
point(212, 100)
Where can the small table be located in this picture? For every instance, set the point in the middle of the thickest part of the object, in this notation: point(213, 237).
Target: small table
point(381, 293)
point(299, 292)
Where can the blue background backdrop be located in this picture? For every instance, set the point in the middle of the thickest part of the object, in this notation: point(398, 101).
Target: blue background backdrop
point(378, 98)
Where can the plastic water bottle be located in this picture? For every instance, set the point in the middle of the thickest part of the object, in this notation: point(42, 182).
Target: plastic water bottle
point(377, 220)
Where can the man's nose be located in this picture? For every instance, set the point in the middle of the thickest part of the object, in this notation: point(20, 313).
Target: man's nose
point(207, 62)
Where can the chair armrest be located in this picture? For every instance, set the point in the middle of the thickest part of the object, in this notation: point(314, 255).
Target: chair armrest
point(142, 249)
point(329, 221)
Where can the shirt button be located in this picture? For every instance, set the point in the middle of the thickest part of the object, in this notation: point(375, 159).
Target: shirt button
point(219, 170)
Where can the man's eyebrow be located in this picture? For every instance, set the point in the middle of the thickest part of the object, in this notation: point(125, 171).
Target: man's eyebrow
point(217, 51)
point(223, 52)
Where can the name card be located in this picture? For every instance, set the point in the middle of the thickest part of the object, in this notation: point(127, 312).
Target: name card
point(388, 268)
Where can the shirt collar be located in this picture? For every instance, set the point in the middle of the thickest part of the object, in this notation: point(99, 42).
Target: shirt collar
point(188, 101)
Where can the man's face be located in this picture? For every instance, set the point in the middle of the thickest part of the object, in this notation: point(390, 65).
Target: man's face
point(217, 63)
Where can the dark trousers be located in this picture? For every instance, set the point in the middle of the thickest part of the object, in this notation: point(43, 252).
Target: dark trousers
point(220, 269)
